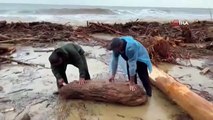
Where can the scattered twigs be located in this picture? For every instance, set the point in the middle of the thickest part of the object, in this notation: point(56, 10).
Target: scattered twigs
point(21, 63)
point(19, 40)
point(21, 90)
point(43, 50)
point(7, 110)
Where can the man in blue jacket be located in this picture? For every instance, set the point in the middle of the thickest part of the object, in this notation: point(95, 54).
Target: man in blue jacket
point(137, 59)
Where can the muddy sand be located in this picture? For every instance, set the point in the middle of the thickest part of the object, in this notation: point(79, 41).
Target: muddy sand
point(32, 88)
point(24, 86)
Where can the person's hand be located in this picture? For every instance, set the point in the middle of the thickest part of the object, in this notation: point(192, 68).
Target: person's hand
point(112, 79)
point(132, 86)
point(82, 81)
point(61, 82)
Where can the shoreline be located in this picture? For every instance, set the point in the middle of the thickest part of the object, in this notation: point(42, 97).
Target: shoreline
point(76, 23)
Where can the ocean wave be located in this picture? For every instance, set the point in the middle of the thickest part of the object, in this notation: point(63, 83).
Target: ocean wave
point(144, 11)
point(75, 11)
point(69, 11)
point(88, 13)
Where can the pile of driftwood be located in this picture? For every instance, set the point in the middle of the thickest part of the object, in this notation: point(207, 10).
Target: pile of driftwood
point(161, 40)
point(195, 32)
point(6, 50)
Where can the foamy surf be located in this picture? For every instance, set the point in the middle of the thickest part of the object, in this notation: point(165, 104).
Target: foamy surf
point(79, 15)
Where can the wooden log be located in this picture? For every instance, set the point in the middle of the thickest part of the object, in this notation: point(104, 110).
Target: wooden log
point(104, 91)
point(196, 106)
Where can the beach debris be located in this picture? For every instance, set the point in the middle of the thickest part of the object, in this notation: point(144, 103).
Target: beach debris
point(21, 90)
point(122, 116)
point(205, 70)
point(39, 102)
point(210, 46)
point(23, 114)
point(20, 62)
point(187, 34)
point(3, 37)
point(1, 88)
point(7, 49)
point(3, 23)
point(103, 28)
point(8, 110)
point(4, 100)
point(46, 32)
point(44, 50)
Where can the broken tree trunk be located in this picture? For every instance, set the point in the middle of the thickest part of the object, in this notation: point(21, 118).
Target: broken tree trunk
point(196, 106)
point(117, 92)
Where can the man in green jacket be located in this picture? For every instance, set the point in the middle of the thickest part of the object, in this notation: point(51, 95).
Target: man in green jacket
point(68, 54)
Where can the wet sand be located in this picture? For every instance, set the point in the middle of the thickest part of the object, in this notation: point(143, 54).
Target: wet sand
point(192, 75)
point(33, 87)
point(157, 108)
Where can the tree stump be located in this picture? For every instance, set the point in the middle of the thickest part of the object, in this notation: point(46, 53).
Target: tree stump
point(104, 91)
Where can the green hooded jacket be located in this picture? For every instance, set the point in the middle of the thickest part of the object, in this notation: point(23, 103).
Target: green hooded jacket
point(73, 54)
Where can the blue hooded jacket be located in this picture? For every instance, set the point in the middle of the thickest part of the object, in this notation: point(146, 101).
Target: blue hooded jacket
point(135, 51)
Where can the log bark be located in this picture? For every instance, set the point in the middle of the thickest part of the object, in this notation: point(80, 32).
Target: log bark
point(104, 91)
point(196, 106)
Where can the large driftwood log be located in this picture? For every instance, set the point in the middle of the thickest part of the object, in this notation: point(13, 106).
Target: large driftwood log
point(196, 106)
point(117, 92)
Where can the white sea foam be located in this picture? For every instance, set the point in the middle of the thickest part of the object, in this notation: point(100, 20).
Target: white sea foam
point(79, 15)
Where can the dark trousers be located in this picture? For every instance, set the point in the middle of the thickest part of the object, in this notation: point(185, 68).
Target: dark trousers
point(87, 77)
point(143, 75)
